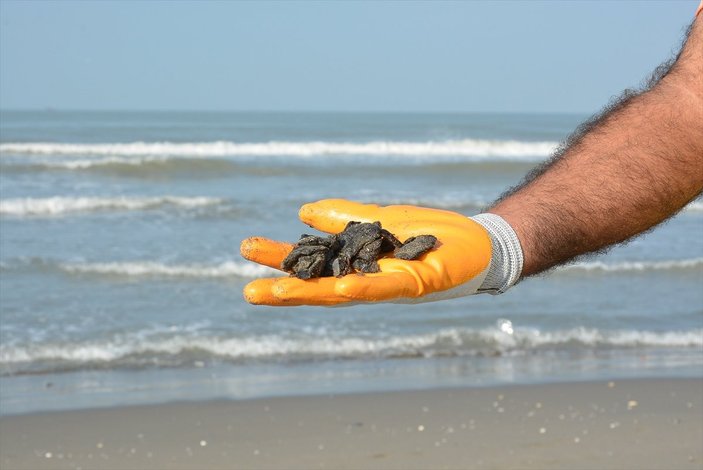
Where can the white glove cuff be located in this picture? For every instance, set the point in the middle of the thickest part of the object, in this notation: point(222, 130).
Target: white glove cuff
point(506, 258)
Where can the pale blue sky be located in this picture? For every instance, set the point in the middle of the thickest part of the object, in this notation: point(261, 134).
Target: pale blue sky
point(391, 56)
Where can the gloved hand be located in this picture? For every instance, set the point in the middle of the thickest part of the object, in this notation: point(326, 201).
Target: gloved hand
point(467, 258)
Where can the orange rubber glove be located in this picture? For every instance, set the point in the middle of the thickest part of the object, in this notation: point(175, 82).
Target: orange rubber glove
point(456, 267)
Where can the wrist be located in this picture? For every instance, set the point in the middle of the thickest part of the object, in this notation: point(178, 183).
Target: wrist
point(506, 254)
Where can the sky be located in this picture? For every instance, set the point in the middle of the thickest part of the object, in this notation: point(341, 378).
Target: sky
point(332, 56)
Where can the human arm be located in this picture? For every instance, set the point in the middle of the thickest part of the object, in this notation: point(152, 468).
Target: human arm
point(626, 170)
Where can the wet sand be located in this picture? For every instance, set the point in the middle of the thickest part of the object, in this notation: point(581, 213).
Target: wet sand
point(622, 424)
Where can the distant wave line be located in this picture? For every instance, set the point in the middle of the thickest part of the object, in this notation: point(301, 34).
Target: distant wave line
point(635, 266)
point(87, 163)
point(53, 206)
point(145, 269)
point(463, 147)
point(154, 269)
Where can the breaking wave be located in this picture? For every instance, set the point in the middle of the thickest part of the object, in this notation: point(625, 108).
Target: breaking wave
point(161, 349)
point(54, 206)
point(145, 269)
point(508, 149)
point(151, 269)
point(635, 266)
point(83, 164)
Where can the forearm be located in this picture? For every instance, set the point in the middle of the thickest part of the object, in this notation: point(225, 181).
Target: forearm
point(634, 167)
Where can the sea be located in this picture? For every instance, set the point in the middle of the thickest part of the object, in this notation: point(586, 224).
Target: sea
point(121, 279)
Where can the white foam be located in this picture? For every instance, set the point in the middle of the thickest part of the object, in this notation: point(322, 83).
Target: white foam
point(84, 164)
point(695, 206)
point(447, 342)
point(635, 266)
point(53, 206)
point(594, 337)
point(153, 269)
point(466, 148)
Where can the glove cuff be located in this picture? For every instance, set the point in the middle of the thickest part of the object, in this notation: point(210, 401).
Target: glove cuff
point(506, 257)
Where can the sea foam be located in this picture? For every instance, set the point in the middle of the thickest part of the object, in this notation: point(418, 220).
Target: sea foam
point(153, 269)
point(54, 206)
point(635, 266)
point(181, 349)
point(464, 147)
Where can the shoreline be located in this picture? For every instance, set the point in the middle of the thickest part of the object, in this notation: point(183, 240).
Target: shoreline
point(92, 389)
point(627, 423)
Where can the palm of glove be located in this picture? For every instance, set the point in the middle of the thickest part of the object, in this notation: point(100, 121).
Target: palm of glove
point(460, 258)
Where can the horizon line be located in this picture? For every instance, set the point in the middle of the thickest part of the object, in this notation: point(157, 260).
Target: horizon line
point(50, 109)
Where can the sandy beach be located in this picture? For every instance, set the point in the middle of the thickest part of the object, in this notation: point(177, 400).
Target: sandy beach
point(611, 424)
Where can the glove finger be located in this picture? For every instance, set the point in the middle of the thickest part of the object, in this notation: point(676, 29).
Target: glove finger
point(265, 251)
point(260, 292)
point(318, 291)
point(289, 291)
point(332, 215)
point(378, 287)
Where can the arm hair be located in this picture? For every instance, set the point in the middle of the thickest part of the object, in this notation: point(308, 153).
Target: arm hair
point(628, 168)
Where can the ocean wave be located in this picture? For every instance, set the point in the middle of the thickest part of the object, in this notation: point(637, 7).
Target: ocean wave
point(509, 149)
point(153, 269)
point(83, 164)
point(635, 266)
point(143, 269)
point(54, 206)
point(183, 349)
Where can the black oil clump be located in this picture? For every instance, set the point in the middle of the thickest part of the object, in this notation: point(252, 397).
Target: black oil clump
point(415, 246)
point(355, 249)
